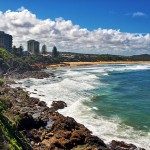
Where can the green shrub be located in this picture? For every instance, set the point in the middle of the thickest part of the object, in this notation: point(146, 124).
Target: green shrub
point(1, 81)
point(7, 134)
point(2, 106)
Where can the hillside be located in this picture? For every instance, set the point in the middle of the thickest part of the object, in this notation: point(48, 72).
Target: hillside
point(11, 63)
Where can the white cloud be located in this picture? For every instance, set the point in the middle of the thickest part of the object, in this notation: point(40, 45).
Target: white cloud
point(24, 25)
point(139, 14)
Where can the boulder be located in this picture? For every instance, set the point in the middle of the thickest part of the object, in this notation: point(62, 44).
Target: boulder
point(94, 141)
point(27, 122)
point(58, 105)
point(120, 145)
point(42, 103)
point(34, 100)
point(64, 123)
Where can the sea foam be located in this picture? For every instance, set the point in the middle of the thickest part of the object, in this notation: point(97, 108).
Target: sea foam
point(74, 88)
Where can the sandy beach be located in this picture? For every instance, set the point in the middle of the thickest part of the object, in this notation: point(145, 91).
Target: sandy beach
point(71, 64)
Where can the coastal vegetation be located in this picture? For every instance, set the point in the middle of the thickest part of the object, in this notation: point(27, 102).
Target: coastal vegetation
point(1, 81)
point(17, 51)
point(11, 63)
point(55, 52)
point(17, 62)
point(9, 135)
point(44, 50)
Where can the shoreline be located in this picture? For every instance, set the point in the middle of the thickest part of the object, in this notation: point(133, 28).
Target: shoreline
point(74, 64)
point(59, 125)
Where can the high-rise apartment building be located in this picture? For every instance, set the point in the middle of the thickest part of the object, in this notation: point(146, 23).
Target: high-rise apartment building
point(33, 46)
point(6, 41)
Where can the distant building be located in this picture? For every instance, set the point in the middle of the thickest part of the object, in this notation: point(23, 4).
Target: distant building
point(6, 41)
point(26, 53)
point(33, 46)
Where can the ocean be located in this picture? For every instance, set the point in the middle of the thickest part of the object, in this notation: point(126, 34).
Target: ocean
point(113, 101)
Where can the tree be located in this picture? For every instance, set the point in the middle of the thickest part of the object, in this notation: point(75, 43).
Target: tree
point(55, 52)
point(17, 51)
point(20, 50)
point(14, 50)
point(44, 49)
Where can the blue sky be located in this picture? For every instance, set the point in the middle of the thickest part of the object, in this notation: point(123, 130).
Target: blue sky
point(88, 26)
point(90, 14)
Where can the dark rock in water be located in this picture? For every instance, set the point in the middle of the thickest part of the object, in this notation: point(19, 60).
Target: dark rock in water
point(34, 93)
point(96, 142)
point(27, 86)
point(33, 100)
point(117, 145)
point(41, 95)
point(58, 105)
point(42, 103)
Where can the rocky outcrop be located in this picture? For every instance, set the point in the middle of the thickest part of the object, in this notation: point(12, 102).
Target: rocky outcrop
point(31, 74)
point(58, 105)
point(46, 129)
point(120, 145)
point(38, 66)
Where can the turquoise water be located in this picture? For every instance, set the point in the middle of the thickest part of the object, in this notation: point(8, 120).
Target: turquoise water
point(113, 101)
point(125, 94)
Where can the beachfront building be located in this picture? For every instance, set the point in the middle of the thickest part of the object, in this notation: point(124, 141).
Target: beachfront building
point(33, 47)
point(6, 41)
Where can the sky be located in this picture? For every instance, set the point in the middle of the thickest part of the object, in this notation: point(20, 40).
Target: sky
point(119, 27)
